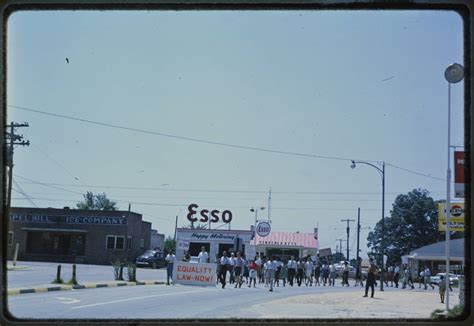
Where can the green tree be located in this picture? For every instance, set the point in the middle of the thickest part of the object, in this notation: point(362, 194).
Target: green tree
point(412, 224)
point(96, 202)
point(170, 244)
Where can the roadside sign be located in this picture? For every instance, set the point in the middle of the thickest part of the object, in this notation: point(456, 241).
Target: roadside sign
point(201, 274)
point(459, 159)
point(325, 252)
point(456, 218)
point(263, 228)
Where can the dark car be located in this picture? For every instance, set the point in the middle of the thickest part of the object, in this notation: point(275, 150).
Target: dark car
point(151, 258)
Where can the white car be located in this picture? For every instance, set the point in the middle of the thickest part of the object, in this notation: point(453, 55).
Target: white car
point(453, 278)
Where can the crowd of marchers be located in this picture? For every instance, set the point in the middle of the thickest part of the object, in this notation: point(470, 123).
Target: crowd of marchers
point(271, 271)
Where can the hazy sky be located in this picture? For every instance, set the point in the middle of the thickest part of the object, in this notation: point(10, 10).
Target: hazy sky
point(365, 85)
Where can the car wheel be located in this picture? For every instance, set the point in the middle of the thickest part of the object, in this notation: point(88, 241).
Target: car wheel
point(153, 265)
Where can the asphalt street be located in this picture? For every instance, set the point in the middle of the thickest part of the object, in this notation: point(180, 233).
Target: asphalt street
point(184, 302)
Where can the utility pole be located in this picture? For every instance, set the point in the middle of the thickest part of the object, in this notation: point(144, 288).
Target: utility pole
point(347, 229)
point(358, 233)
point(340, 244)
point(14, 140)
point(175, 227)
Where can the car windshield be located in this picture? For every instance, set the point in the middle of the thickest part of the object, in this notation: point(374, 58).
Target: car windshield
point(148, 253)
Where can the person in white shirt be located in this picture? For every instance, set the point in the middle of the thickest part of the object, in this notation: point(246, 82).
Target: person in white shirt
point(291, 270)
point(259, 264)
point(224, 266)
point(270, 268)
point(231, 268)
point(238, 269)
point(170, 258)
point(309, 272)
point(203, 256)
point(332, 274)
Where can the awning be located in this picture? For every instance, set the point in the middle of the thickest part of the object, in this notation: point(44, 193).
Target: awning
point(55, 230)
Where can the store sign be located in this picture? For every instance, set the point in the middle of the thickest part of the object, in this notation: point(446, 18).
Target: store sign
point(183, 245)
point(205, 215)
point(263, 229)
point(459, 159)
point(102, 220)
point(456, 217)
point(201, 274)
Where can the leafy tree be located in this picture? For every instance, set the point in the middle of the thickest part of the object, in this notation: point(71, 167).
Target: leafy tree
point(96, 202)
point(412, 224)
point(170, 244)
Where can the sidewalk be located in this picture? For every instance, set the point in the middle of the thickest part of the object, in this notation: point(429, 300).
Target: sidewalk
point(391, 303)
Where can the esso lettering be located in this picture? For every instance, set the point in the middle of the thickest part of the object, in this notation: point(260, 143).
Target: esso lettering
point(205, 215)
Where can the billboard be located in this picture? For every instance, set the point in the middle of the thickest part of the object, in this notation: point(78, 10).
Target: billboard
point(456, 217)
point(459, 174)
point(325, 252)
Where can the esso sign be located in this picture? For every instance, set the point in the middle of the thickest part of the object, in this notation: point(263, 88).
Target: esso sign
point(263, 229)
point(205, 215)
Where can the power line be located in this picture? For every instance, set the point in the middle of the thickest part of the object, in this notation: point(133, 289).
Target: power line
point(214, 142)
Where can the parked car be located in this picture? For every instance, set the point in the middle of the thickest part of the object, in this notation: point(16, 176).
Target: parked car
point(453, 278)
point(151, 258)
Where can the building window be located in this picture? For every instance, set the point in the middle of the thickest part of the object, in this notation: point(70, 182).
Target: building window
point(10, 238)
point(142, 243)
point(129, 242)
point(115, 242)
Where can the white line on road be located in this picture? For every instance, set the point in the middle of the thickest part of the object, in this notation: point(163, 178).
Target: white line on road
point(138, 298)
point(71, 300)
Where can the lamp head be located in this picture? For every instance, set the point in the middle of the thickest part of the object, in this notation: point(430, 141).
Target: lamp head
point(252, 210)
point(353, 165)
point(262, 208)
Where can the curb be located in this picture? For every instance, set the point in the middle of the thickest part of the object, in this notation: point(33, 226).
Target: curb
point(81, 286)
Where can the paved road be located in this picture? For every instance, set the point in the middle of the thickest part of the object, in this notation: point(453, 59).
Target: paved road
point(163, 302)
point(28, 274)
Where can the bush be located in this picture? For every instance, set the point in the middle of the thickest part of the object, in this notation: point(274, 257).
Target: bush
point(58, 281)
point(439, 314)
point(118, 269)
point(131, 272)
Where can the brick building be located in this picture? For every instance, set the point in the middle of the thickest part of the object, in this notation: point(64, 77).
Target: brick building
point(72, 235)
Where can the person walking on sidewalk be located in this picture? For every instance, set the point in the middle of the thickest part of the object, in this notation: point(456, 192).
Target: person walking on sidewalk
point(345, 274)
point(317, 274)
point(332, 274)
point(370, 279)
point(238, 266)
point(325, 273)
point(299, 272)
point(218, 267)
point(358, 274)
point(284, 272)
point(252, 272)
point(224, 263)
point(277, 271)
point(170, 258)
point(309, 272)
point(421, 280)
point(292, 267)
point(270, 268)
point(259, 264)
point(231, 268)
point(428, 278)
point(396, 275)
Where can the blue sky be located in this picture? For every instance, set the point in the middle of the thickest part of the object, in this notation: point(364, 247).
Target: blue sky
point(295, 81)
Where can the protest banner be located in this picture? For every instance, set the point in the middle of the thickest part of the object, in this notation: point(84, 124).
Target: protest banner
point(201, 274)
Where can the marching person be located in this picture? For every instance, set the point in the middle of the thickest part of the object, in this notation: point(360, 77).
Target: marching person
point(203, 256)
point(358, 274)
point(270, 268)
point(332, 274)
point(345, 274)
point(170, 258)
point(325, 273)
point(252, 272)
point(259, 264)
point(292, 267)
point(422, 278)
point(317, 274)
point(218, 267)
point(299, 272)
point(396, 275)
point(370, 279)
point(428, 277)
point(309, 272)
point(238, 267)
point(224, 263)
point(284, 272)
point(231, 268)
point(277, 271)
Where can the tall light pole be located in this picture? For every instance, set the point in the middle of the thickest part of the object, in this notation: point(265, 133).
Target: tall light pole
point(255, 225)
point(454, 73)
point(382, 171)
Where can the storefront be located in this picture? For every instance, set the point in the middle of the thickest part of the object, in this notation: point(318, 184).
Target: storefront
point(71, 235)
point(286, 244)
point(215, 241)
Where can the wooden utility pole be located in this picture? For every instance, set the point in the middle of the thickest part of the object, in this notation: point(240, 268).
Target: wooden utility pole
point(347, 229)
point(358, 233)
point(14, 140)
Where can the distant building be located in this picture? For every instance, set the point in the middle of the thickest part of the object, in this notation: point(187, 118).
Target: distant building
point(72, 235)
point(434, 256)
point(157, 240)
point(286, 244)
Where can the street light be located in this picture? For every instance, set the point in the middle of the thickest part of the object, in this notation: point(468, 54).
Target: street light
point(256, 211)
point(382, 171)
point(454, 73)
